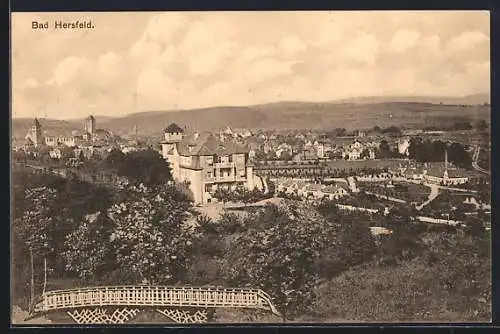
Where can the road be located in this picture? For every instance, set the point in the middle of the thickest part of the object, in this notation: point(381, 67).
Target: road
point(432, 196)
point(475, 158)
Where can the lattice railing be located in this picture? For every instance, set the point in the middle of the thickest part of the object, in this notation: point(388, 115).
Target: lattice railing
point(155, 296)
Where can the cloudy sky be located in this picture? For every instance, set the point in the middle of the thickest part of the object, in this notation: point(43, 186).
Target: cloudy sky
point(133, 62)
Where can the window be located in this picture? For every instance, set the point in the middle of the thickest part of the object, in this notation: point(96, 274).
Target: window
point(223, 159)
point(209, 175)
point(210, 160)
point(208, 188)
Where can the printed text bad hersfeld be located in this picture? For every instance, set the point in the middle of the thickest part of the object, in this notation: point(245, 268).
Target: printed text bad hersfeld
point(59, 24)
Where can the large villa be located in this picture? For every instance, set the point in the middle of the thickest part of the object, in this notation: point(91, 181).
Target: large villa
point(206, 161)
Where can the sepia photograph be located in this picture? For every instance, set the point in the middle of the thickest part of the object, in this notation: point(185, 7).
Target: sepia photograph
point(264, 167)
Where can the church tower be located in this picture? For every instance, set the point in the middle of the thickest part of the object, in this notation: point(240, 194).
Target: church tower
point(90, 125)
point(35, 133)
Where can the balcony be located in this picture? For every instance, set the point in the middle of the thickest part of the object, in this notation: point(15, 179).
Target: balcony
point(224, 165)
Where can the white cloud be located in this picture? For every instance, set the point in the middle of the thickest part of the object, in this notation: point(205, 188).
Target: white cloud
point(197, 38)
point(404, 39)
point(151, 83)
point(242, 58)
point(162, 27)
point(71, 68)
point(467, 40)
point(267, 68)
point(211, 59)
point(364, 48)
point(144, 49)
point(109, 64)
point(291, 46)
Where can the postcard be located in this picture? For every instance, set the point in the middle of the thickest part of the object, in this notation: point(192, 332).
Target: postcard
point(250, 167)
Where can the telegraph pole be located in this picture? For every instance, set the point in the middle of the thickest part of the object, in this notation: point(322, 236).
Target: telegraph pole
point(44, 275)
point(32, 292)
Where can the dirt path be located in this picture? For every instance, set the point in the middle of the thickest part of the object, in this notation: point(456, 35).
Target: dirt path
point(19, 316)
point(433, 194)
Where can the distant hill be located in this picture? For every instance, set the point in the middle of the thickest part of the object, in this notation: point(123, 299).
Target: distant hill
point(356, 113)
point(302, 115)
point(474, 99)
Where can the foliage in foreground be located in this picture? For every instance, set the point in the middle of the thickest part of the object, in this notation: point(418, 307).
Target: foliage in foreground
point(278, 253)
point(143, 238)
point(449, 281)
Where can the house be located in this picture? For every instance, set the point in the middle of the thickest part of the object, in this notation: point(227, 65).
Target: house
point(403, 146)
point(206, 162)
point(64, 138)
point(299, 188)
point(55, 153)
point(313, 190)
point(305, 155)
point(334, 192)
point(242, 133)
point(286, 186)
point(22, 144)
point(73, 138)
point(353, 151)
point(283, 149)
point(320, 150)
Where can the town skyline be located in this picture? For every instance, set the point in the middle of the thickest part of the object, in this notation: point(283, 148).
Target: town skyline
point(242, 59)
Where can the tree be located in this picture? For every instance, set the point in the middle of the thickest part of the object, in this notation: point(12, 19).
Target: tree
point(365, 154)
point(481, 125)
point(392, 130)
point(34, 229)
point(146, 239)
point(19, 156)
point(115, 157)
point(81, 156)
point(67, 153)
point(87, 252)
point(146, 166)
point(278, 253)
point(384, 150)
point(42, 153)
point(37, 226)
point(221, 194)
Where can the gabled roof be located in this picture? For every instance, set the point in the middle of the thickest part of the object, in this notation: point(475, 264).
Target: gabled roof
point(208, 144)
point(332, 189)
point(174, 128)
point(313, 187)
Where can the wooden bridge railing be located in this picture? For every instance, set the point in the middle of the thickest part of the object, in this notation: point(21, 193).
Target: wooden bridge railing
point(155, 296)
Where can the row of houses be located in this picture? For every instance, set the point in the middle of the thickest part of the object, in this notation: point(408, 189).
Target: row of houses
point(311, 190)
point(364, 148)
